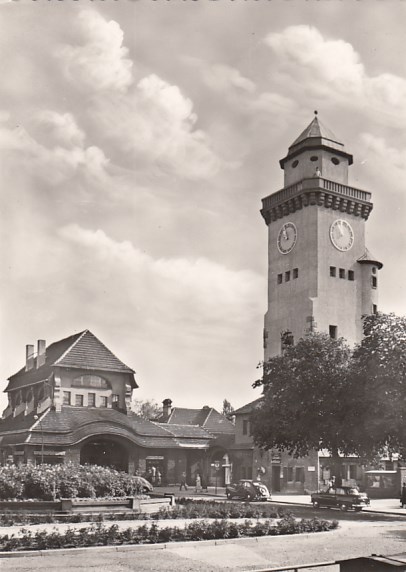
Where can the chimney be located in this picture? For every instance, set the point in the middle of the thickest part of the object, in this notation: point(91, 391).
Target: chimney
point(29, 357)
point(41, 353)
point(167, 407)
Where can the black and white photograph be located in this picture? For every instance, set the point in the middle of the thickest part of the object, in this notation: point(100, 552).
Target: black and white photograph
point(203, 302)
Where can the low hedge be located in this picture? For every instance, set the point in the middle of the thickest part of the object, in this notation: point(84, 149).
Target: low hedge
point(100, 535)
point(48, 482)
point(186, 509)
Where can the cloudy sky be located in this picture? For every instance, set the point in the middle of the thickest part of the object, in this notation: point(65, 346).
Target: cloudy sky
point(136, 141)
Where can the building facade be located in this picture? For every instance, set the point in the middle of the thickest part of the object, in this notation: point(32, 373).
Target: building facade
point(321, 277)
point(72, 402)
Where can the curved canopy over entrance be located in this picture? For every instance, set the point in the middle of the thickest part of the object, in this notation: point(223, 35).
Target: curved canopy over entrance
point(106, 453)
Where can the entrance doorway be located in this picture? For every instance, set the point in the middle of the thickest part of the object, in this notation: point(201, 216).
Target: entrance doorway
point(276, 478)
point(105, 453)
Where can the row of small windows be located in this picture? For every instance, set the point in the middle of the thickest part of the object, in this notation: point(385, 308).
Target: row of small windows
point(288, 274)
point(342, 273)
point(351, 276)
point(91, 399)
point(314, 158)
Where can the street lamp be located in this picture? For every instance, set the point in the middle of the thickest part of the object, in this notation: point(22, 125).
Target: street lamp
point(37, 418)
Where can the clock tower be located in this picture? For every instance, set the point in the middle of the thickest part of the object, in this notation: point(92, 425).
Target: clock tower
point(321, 277)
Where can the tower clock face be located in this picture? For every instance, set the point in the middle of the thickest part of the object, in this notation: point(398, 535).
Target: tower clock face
point(341, 235)
point(287, 238)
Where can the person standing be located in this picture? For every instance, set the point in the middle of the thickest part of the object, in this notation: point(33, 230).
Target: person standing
point(403, 495)
point(183, 483)
point(198, 483)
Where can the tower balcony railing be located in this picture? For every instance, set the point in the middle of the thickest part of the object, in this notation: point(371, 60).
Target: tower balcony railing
point(315, 184)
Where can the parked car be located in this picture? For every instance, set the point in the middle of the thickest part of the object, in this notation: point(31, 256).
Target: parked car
point(344, 498)
point(246, 489)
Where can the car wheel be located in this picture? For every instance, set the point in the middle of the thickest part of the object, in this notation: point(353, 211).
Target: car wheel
point(316, 504)
point(358, 509)
point(250, 498)
point(229, 495)
point(344, 507)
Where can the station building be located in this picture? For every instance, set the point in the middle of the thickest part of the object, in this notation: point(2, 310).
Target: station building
point(72, 402)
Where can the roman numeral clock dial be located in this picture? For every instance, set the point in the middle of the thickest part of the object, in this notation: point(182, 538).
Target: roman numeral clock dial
point(342, 235)
point(287, 238)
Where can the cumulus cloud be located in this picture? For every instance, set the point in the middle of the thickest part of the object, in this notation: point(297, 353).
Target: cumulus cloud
point(221, 77)
point(52, 149)
point(100, 61)
point(329, 67)
point(165, 290)
point(155, 124)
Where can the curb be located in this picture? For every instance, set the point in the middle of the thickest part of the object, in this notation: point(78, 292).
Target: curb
point(368, 510)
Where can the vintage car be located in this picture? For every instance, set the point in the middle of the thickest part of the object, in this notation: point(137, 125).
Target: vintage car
point(246, 489)
point(344, 498)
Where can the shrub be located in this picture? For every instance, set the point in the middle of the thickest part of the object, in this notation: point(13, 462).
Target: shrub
point(46, 482)
point(101, 535)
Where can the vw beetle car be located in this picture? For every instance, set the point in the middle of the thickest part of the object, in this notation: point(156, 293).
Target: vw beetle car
point(345, 498)
point(246, 489)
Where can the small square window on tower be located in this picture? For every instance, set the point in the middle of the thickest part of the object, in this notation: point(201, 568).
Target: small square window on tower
point(351, 275)
point(332, 330)
point(333, 271)
point(287, 276)
point(280, 277)
point(374, 282)
point(296, 273)
point(341, 273)
point(374, 309)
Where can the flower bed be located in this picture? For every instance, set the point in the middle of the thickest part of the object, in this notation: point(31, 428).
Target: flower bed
point(50, 482)
point(154, 507)
point(100, 535)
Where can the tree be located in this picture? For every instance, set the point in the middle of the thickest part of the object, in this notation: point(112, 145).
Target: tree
point(307, 399)
point(148, 408)
point(228, 410)
point(321, 395)
point(379, 366)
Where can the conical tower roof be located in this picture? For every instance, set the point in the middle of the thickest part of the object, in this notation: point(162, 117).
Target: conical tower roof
point(316, 129)
point(316, 136)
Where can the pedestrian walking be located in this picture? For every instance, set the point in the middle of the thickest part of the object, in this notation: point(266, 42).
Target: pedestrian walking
point(198, 483)
point(403, 496)
point(158, 478)
point(183, 483)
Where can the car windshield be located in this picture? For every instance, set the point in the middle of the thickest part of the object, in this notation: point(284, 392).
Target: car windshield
point(353, 491)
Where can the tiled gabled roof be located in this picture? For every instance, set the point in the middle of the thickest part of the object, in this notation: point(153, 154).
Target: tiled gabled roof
point(206, 417)
point(82, 351)
point(249, 407)
point(192, 431)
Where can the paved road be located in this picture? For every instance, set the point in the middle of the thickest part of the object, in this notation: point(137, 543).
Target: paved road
point(359, 535)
